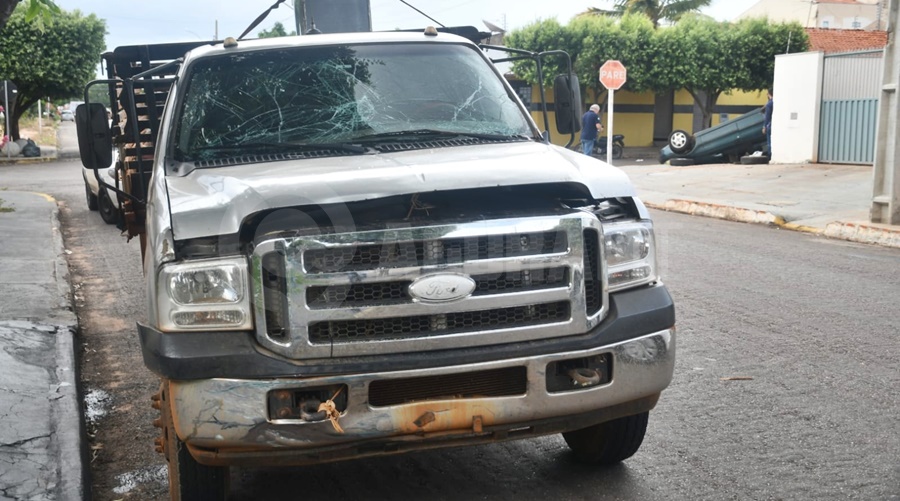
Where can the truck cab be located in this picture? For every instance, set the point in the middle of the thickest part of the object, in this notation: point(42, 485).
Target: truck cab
point(362, 244)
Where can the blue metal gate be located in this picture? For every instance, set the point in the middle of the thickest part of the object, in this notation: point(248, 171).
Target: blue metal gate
point(850, 92)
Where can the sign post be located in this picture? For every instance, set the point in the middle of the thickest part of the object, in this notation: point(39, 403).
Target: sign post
point(613, 76)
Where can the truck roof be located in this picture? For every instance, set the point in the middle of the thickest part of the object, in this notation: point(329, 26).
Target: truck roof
point(324, 39)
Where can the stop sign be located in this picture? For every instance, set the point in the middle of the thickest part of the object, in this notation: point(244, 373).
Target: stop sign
point(613, 74)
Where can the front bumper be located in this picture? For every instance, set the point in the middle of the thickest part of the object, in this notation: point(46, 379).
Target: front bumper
point(226, 421)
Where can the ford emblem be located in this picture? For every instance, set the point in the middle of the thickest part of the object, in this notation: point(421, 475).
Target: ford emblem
point(441, 288)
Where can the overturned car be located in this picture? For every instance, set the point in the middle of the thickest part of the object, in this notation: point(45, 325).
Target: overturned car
point(732, 141)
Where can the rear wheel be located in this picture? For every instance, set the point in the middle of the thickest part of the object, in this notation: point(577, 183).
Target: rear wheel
point(188, 479)
point(108, 210)
point(91, 199)
point(610, 442)
point(617, 151)
point(680, 141)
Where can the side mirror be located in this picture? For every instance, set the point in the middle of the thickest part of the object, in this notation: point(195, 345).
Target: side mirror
point(94, 138)
point(567, 100)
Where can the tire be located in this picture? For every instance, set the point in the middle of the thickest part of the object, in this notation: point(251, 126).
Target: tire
point(681, 162)
point(680, 141)
point(617, 151)
point(108, 210)
point(752, 160)
point(610, 442)
point(188, 479)
point(91, 199)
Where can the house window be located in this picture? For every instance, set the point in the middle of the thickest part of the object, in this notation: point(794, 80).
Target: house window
point(825, 24)
point(856, 24)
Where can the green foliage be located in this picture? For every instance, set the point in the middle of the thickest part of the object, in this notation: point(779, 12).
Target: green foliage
point(41, 12)
point(277, 30)
point(55, 63)
point(655, 10)
point(699, 54)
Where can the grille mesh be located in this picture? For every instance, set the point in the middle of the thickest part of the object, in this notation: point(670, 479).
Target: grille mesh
point(430, 252)
point(389, 293)
point(436, 325)
point(592, 283)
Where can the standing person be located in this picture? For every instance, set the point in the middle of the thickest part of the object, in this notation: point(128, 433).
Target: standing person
point(767, 127)
point(590, 126)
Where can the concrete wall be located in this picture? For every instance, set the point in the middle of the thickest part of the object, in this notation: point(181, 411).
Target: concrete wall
point(798, 100)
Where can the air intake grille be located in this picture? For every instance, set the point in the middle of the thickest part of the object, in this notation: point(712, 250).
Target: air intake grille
point(491, 383)
point(593, 286)
point(437, 325)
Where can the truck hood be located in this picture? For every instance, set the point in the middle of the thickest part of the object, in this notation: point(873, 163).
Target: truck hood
point(215, 201)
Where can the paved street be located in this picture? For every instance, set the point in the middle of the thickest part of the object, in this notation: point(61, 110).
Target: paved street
point(813, 342)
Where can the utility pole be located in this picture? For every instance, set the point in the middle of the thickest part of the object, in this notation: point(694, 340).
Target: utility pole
point(299, 15)
point(886, 186)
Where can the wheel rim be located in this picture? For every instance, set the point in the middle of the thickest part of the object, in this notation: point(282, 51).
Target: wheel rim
point(107, 210)
point(678, 140)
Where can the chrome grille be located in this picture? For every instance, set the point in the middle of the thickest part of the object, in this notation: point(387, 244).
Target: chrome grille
point(443, 251)
point(437, 325)
point(353, 294)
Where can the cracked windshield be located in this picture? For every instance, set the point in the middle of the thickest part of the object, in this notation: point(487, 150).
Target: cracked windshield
point(340, 98)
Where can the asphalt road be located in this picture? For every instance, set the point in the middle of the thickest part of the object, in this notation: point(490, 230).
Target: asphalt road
point(812, 322)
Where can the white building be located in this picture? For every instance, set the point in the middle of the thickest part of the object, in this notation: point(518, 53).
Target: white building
point(836, 14)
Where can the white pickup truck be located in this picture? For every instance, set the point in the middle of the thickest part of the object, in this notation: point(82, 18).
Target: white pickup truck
point(362, 244)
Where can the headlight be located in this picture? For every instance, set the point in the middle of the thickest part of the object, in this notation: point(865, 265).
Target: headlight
point(204, 295)
point(630, 254)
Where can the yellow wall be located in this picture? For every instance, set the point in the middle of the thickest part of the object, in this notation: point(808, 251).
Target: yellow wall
point(638, 127)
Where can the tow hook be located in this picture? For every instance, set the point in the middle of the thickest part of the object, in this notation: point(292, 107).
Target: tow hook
point(309, 411)
point(584, 377)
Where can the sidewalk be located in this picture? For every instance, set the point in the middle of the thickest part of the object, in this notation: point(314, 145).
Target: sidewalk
point(823, 199)
point(41, 436)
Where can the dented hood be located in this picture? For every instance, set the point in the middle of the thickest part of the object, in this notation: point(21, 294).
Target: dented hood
point(214, 201)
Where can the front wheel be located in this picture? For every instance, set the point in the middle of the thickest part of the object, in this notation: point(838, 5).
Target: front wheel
point(610, 442)
point(188, 479)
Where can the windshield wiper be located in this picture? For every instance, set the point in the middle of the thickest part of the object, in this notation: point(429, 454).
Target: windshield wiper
point(405, 135)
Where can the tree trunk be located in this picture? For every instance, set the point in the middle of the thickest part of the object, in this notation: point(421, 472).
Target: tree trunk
point(22, 106)
point(6, 9)
point(706, 100)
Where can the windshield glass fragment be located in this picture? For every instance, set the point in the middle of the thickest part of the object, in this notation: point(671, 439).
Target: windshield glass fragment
point(268, 101)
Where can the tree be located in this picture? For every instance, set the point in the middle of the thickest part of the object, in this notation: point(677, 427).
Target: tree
point(56, 63)
point(37, 11)
point(276, 31)
point(656, 10)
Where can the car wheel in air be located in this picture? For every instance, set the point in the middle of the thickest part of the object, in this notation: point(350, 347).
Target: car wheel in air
point(680, 141)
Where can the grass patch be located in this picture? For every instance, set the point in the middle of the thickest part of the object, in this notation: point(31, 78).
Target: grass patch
point(4, 208)
point(46, 135)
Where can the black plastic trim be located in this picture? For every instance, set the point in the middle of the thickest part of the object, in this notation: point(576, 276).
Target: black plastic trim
point(204, 355)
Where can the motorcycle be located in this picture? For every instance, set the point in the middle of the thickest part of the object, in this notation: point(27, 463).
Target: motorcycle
point(618, 147)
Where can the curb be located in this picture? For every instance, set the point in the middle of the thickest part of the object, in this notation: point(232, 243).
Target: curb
point(71, 453)
point(25, 161)
point(854, 232)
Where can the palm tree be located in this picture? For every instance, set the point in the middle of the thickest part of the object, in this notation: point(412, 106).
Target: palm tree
point(656, 10)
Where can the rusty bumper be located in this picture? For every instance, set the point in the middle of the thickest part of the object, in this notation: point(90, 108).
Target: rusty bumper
point(229, 421)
